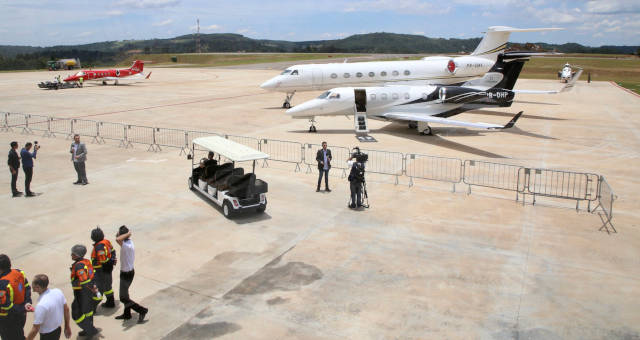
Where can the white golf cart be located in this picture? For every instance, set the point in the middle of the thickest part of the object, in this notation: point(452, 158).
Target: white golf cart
point(225, 184)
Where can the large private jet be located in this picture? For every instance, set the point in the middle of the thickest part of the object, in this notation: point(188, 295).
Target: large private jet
point(420, 105)
point(133, 73)
point(427, 71)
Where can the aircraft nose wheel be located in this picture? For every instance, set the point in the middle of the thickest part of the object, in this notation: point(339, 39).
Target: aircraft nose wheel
point(286, 105)
point(312, 128)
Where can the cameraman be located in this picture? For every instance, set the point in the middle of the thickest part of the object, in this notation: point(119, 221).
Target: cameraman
point(27, 166)
point(356, 178)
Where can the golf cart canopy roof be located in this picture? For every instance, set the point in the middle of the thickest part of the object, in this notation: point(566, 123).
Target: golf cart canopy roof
point(231, 150)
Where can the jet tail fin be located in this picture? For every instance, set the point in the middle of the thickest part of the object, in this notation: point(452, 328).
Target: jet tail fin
point(496, 38)
point(137, 66)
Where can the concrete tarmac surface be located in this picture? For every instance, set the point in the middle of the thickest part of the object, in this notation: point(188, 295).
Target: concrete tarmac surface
point(422, 263)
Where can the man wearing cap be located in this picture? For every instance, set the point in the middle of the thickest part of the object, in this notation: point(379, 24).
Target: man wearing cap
point(84, 291)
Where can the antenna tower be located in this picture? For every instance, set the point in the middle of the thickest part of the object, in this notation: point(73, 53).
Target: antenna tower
point(198, 50)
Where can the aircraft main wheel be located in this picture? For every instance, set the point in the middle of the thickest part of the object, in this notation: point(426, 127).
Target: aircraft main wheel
point(227, 209)
point(286, 105)
point(426, 132)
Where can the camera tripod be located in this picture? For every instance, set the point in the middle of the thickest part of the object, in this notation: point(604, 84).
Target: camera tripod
point(364, 196)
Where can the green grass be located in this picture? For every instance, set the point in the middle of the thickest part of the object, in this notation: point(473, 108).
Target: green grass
point(624, 69)
point(633, 85)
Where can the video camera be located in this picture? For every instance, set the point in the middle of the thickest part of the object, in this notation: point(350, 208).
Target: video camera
point(360, 156)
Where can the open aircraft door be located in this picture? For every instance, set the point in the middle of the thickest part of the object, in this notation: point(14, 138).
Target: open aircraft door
point(360, 114)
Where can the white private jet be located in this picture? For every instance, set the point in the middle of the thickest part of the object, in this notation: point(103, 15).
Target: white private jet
point(566, 74)
point(421, 105)
point(429, 70)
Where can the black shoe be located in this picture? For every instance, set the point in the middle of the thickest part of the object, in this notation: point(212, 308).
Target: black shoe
point(318, 190)
point(352, 206)
point(142, 315)
point(77, 182)
point(84, 183)
point(82, 333)
point(109, 304)
point(327, 190)
point(123, 317)
point(30, 194)
point(17, 194)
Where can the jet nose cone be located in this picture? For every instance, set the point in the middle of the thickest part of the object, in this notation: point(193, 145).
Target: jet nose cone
point(304, 109)
point(270, 84)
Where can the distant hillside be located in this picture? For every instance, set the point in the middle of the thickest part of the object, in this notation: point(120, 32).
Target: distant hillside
point(109, 52)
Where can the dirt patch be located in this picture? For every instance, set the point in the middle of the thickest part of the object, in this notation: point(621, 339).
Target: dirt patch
point(202, 331)
point(290, 276)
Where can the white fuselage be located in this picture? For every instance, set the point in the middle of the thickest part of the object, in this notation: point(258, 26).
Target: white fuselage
point(429, 70)
point(380, 100)
point(566, 73)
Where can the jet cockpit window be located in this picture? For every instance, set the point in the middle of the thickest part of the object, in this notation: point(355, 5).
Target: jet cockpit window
point(324, 95)
point(285, 72)
point(334, 96)
point(294, 73)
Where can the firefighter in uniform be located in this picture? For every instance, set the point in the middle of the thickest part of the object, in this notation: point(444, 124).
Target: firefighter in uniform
point(85, 293)
point(15, 300)
point(103, 258)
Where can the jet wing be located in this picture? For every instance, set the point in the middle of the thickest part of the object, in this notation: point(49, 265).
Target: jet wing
point(431, 119)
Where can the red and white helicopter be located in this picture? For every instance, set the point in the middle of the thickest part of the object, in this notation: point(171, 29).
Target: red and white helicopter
point(134, 73)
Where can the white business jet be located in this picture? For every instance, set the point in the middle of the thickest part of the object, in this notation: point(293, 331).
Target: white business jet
point(420, 105)
point(427, 71)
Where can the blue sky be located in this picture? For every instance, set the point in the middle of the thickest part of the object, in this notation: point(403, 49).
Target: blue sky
point(53, 22)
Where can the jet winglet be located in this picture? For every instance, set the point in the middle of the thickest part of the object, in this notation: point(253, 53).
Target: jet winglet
point(513, 120)
point(148, 75)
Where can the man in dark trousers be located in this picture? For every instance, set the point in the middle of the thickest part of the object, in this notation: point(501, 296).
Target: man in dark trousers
point(79, 156)
point(356, 178)
point(15, 300)
point(127, 257)
point(103, 258)
point(84, 291)
point(323, 157)
point(27, 166)
point(14, 165)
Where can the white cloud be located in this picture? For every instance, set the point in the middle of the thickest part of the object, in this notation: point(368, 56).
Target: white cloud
point(115, 12)
point(419, 33)
point(148, 3)
point(211, 28)
point(243, 30)
point(163, 23)
point(399, 6)
point(613, 6)
point(84, 34)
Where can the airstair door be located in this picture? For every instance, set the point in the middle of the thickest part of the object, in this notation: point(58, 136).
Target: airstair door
point(360, 115)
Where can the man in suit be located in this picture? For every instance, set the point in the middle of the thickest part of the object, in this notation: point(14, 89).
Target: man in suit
point(324, 164)
point(27, 165)
point(14, 166)
point(79, 156)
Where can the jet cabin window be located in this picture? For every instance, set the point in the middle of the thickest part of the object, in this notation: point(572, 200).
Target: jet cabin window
point(395, 73)
point(406, 72)
point(373, 96)
point(346, 75)
point(383, 73)
point(359, 74)
point(383, 96)
point(334, 76)
point(394, 96)
point(371, 74)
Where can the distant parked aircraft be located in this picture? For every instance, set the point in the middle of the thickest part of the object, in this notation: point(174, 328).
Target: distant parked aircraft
point(566, 74)
point(116, 75)
point(427, 71)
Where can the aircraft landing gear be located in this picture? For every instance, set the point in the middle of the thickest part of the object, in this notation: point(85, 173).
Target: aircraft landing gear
point(424, 128)
point(287, 100)
point(413, 125)
point(115, 83)
point(312, 128)
point(104, 82)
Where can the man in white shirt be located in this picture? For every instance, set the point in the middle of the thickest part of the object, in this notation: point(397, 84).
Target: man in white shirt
point(51, 308)
point(127, 256)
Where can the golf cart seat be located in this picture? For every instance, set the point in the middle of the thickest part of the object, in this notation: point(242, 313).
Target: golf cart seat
point(222, 176)
point(260, 187)
point(241, 186)
point(211, 170)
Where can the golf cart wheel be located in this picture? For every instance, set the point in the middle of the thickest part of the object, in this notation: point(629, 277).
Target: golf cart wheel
point(262, 207)
point(227, 209)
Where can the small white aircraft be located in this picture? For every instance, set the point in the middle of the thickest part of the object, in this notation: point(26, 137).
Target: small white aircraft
point(421, 105)
point(566, 74)
point(427, 71)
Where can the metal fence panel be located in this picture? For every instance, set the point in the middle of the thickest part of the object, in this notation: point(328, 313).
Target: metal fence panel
point(557, 183)
point(86, 128)
point(442, 169)
point(38, 123)
point(248, 141)
point(60, 126)
point(384, 162)
point(15, 120)
point(606, 198)
point(491, 175)
point(172, 138)
point(112, 131)
point(191, 135)
point(139, 134)
point(282, 151)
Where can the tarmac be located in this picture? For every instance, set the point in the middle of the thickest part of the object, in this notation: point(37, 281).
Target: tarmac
point(421, 263)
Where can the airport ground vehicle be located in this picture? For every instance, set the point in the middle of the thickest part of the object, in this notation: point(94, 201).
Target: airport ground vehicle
point(225, 184)
point(54, 85)
point(63, 64)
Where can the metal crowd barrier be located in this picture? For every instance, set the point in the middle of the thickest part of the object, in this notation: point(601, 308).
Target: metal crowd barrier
point(282, 151)
point(491, 175)
point(522, 180)
point(559, 184)
point(606, 197)
point(433, 168)
point(339, 157)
